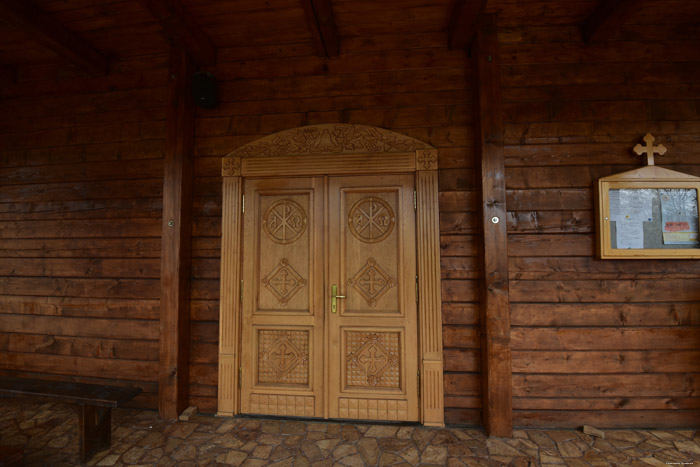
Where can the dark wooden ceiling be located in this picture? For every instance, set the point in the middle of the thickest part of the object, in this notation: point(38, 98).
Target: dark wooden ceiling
point(244, 29)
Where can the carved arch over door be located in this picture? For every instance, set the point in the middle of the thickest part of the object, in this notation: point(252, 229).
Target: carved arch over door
point(336, 149)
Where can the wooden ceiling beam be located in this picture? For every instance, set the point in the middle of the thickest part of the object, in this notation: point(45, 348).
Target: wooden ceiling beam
point(607, 19)
point(43, 28)
point(319, 17)
point(463, 19)
point(181, 30)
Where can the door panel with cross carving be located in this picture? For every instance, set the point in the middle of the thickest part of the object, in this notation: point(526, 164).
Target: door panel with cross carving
point(282, 332)
point(373, 346)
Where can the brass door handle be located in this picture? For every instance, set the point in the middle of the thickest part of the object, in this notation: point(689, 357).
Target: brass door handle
point(334, 297)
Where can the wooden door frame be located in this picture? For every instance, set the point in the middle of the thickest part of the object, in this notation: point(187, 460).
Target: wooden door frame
point(335, 149)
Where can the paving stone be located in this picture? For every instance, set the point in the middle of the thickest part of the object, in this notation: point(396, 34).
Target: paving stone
point(344, 450)
point(369, 449)
point(327, 445)
point(311, 451)
point(233, 458)
point(394, 444)
point(434, 455)
point(569, 449)
point(109, 460)
point(279, 453)
point(687, 446)
point(262, 451)
point(389, 458)
point(293, 428)
point(422, 437)
point(498, 447)
point(49, 437)
point(354, 460)
point(411, 455)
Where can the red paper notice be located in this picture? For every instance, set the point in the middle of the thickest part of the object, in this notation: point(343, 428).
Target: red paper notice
point(676, 226)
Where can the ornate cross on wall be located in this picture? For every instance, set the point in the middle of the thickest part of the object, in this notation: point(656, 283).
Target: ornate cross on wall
point(650, 149)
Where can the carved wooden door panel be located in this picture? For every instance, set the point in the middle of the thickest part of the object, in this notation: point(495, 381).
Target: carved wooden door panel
point(282, 309)
point(372, 338)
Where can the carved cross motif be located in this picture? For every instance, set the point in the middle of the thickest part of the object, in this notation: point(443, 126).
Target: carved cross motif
point(284, 358)
point(282, 280)
point(427, 158)
point(650, 149)
point(373, 359)
point(372, 282)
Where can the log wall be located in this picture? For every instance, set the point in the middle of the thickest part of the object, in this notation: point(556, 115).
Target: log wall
point(606, 343)
point(80, 222)
point(614, 343)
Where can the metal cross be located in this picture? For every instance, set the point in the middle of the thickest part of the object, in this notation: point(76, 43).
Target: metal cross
point(650, 149)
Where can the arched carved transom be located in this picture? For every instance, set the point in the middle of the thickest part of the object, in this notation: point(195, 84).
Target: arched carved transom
point(336, 138)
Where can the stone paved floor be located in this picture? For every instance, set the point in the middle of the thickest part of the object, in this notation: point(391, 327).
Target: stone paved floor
point(47, 432)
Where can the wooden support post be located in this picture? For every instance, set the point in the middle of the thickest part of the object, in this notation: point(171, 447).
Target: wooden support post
point(181, 30)
point(176, 239)
point(95, 424)
point(463, 20)
point(495, 313)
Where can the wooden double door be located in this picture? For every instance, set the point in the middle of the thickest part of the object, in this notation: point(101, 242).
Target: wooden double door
point(329, 318)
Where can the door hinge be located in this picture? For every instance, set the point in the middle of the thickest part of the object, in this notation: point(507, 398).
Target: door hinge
point(416, 289)
point(243, 204)
point(415, 201)
point(418, 384)
point(240, 374)
point(240, 293)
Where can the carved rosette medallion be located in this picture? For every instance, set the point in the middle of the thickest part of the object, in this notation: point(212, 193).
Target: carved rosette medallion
point(283, 282)
point(372, 282)
point(371, 220)
point(373, 359)
point(284, 221)
point(283, 356)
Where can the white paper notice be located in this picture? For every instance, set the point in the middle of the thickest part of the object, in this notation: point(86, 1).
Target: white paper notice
point(636, 204)
point(614, 197)
point(630, 234)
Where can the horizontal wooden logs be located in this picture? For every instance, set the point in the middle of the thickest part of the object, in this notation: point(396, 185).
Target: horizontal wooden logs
point(657, 338)
point(658, 290)
point(595, 362)
point(637, 385)
point(606, 419)
point(605, 314)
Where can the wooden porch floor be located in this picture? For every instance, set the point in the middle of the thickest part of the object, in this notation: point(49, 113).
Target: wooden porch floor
point(47, 433)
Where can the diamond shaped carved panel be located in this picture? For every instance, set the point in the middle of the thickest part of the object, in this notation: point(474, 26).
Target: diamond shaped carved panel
point(283, 356)
point(372, 282)
point(283, 282)
point(373, 359)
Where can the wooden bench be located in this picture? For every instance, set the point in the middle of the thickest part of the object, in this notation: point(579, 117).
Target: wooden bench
point(94, 403)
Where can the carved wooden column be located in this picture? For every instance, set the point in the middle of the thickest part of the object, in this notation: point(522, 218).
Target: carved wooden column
point(230, 297)
point(496, 374)
point(429, 290)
